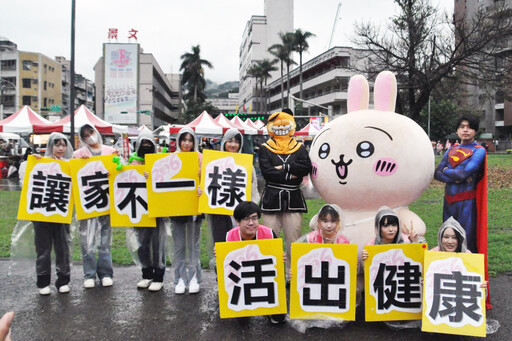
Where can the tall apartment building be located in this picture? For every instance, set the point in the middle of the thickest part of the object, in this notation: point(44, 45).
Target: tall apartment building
point(496, 110)
point(325, 82)
point(84, 88)
point(134, 90)
point(261, 32)
point(27, 78)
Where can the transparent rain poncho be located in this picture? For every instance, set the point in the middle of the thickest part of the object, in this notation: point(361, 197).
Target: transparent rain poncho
point(27, 245)
point(95, 233)
point(147, 245)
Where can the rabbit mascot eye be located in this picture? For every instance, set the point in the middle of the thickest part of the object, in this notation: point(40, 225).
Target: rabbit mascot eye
point(369, 158)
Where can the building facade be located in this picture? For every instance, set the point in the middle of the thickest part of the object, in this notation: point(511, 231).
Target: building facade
point(158, 95)
point(495, 110)
point(84, 88)
point(227, 105)
point(325, 83)
point(28, 78)
point(261, 32)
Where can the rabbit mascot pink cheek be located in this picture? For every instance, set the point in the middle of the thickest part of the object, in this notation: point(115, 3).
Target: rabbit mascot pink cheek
point(370, 158)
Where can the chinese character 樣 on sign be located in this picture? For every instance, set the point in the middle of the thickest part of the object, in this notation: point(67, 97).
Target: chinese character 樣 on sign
point(226, 180)
point(46, 194)
point(251, 278)
point(393, 276)
point(454, 302)
point(323, 284)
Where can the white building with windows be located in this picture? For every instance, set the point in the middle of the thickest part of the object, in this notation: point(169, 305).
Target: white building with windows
point(261, 32)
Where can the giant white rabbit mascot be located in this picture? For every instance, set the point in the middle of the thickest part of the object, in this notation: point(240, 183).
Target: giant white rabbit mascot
point(369, 158)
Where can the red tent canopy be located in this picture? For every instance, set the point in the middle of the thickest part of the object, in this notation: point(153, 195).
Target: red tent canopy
point(82, 116)
point(224, 122)
point(251, 124)
point(308, 130)
point(241, 125)
point(22, 121)
point(204, 124)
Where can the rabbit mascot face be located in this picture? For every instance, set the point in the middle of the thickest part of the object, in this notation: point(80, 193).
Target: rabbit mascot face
point(369, 158)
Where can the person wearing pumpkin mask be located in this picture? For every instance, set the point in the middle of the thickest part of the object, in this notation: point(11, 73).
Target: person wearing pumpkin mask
point(283, 163)
point(95, 233)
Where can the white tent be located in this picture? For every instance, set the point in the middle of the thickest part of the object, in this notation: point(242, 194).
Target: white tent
point(22, 121)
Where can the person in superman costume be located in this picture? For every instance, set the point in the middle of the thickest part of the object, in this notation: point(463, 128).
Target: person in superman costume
point(464, 170)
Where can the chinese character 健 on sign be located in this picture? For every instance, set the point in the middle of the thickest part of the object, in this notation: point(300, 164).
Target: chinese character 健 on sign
point(398, 286)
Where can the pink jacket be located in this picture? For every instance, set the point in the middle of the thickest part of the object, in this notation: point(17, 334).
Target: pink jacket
point(316, 237)
point(264, 232)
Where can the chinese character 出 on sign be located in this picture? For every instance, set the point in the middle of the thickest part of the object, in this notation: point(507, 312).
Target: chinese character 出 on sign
point(324, 281)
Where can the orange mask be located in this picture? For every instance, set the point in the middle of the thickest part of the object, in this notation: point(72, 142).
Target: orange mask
point(281, 128)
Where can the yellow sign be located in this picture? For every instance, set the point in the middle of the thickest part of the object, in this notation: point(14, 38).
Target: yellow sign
point(225, 180)
point(453, 300)
point(129, 198)
point(251, 279)
point(172, 184)
point(90, 186)
point(392, 281)
point(323, 284)
point(46, 193)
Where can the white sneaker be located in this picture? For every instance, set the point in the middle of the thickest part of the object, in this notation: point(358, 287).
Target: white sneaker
point(180, 287)
point(144, 283)
point(45, 291)
point(64, 289)
point(89, 283)
point(107, 282)
point(156, 286)
point(193, 287)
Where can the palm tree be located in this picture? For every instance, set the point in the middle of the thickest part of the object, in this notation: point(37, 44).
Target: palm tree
point(283, 53)
point(193, 73)
point(301, 45)
point(255, 72)
point(266, 66)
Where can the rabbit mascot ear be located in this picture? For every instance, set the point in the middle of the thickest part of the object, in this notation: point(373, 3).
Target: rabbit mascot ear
point(370, 158)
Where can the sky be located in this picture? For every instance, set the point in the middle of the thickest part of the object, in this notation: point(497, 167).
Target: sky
point(169, 28)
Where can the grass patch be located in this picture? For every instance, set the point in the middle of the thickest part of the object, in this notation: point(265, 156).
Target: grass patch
point(428, 207)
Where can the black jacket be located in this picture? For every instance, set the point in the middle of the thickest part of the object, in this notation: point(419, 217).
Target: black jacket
point(282, 193)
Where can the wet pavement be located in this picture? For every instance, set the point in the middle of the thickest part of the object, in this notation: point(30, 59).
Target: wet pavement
point(10, 185)
point(122, 312)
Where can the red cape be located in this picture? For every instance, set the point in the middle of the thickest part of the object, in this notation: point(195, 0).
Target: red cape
point(481, 224)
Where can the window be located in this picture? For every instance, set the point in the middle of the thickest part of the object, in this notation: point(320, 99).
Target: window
point(26, 100)
point(27, 83)
point(34, 81)
point(45, 103)
point(27, 65)
point(44, 85)
point(34, 98)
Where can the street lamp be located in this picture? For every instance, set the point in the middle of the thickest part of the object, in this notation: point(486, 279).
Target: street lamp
point(2, 80)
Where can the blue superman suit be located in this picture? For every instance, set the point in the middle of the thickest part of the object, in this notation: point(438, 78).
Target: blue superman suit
point(461, 169)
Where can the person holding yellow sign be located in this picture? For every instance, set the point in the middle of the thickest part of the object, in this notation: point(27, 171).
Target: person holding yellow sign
point(186, 232)
point(387, 230)
point(151, 240)
point(327, 226)
point(95, 233)
point(47, 234)
point(219, 225)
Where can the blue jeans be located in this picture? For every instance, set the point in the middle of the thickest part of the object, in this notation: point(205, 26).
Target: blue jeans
point(96, 236)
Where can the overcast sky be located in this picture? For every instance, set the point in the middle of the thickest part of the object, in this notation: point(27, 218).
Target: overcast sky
point(169, 28)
